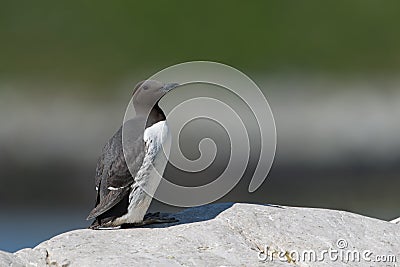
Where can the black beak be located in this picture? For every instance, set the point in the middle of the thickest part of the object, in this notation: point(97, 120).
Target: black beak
point(169, 86)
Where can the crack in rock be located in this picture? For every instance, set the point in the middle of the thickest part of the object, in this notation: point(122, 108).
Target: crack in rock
point(50, 262)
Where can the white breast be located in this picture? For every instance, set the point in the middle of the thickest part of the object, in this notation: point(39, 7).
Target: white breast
point(148, 177)
point(156, 134)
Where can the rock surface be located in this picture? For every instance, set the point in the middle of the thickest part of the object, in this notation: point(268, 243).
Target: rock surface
point(226, 235)
point(396, 221)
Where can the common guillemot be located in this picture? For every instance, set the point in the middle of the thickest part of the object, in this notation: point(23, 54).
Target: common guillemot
point(121, 196)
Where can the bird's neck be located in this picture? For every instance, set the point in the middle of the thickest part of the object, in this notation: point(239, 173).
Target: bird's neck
point(153, 116)
point(156, 115)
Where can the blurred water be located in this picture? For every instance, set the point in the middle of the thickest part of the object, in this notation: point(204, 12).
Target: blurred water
point(26, 228)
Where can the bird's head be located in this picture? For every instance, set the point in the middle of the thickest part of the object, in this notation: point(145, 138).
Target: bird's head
point(147, 94)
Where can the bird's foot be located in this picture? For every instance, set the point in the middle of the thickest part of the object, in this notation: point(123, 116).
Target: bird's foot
point(157, 217)
point(97, 226)
point(104, 227)
point(152, 218)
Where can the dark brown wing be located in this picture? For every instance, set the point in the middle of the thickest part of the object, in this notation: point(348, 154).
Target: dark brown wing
point(113, 177)
point(109, 201)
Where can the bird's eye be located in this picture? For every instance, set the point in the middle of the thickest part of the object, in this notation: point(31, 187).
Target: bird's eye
point(145, 87)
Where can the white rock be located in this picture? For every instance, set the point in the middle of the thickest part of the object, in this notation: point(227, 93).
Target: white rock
point(396, 221)
point(222, 235)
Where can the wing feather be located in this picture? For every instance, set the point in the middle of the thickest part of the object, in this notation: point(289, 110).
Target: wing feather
point(113, 177)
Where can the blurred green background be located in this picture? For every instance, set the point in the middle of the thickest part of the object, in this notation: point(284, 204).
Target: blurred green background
point(101, 42)
point(67, 68)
